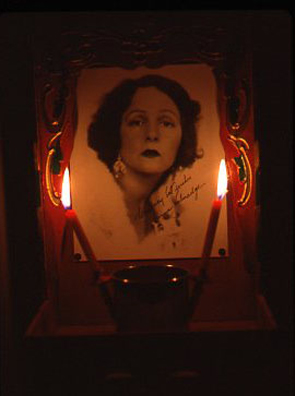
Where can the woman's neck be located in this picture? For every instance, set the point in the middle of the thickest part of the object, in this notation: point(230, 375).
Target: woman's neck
point(137, 188)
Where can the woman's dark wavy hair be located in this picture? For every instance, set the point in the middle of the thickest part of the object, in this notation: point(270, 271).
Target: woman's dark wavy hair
point(104, 131)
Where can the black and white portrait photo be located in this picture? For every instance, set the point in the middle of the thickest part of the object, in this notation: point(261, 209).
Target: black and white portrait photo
point(145, 161)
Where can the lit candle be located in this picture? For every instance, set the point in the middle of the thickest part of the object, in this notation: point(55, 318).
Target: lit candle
point(74, 222)
point(214, 216)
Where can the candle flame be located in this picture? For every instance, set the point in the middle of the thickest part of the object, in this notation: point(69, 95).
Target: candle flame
point(222, 180)
point(66, 190)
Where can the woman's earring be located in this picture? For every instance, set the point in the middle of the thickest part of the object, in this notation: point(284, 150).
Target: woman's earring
point(119, 167)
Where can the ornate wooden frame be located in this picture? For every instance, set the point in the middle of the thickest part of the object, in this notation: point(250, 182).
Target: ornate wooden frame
point(150, 39)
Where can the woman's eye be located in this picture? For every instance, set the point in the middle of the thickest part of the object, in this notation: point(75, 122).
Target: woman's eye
point(134, 123)
point(167, 124)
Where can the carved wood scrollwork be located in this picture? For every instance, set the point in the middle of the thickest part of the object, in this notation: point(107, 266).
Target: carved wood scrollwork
point(54, 106)
point(53, 167)
point(152, 41)
point(237, 117)
point(238, 107)
point(54, 97)
point(243, 167)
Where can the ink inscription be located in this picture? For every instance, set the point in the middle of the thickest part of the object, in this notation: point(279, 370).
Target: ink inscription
point(174, 194)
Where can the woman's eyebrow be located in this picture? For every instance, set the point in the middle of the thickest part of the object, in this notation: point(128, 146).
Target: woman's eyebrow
point(141, 111)
point(129, 113)
point(169, 111)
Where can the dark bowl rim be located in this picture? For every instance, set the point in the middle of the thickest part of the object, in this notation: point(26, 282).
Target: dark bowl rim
point(184, 275)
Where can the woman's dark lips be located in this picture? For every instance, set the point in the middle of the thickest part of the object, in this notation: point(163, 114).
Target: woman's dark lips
point(150, 153)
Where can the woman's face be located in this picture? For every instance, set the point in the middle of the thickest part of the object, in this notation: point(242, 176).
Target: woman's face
point(150, 132)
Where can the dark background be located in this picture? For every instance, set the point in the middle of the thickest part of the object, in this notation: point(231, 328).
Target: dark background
point(267, 358)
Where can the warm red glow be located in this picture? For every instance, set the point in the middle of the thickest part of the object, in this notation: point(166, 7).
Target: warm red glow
point(222, 180)
point(66, 190)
